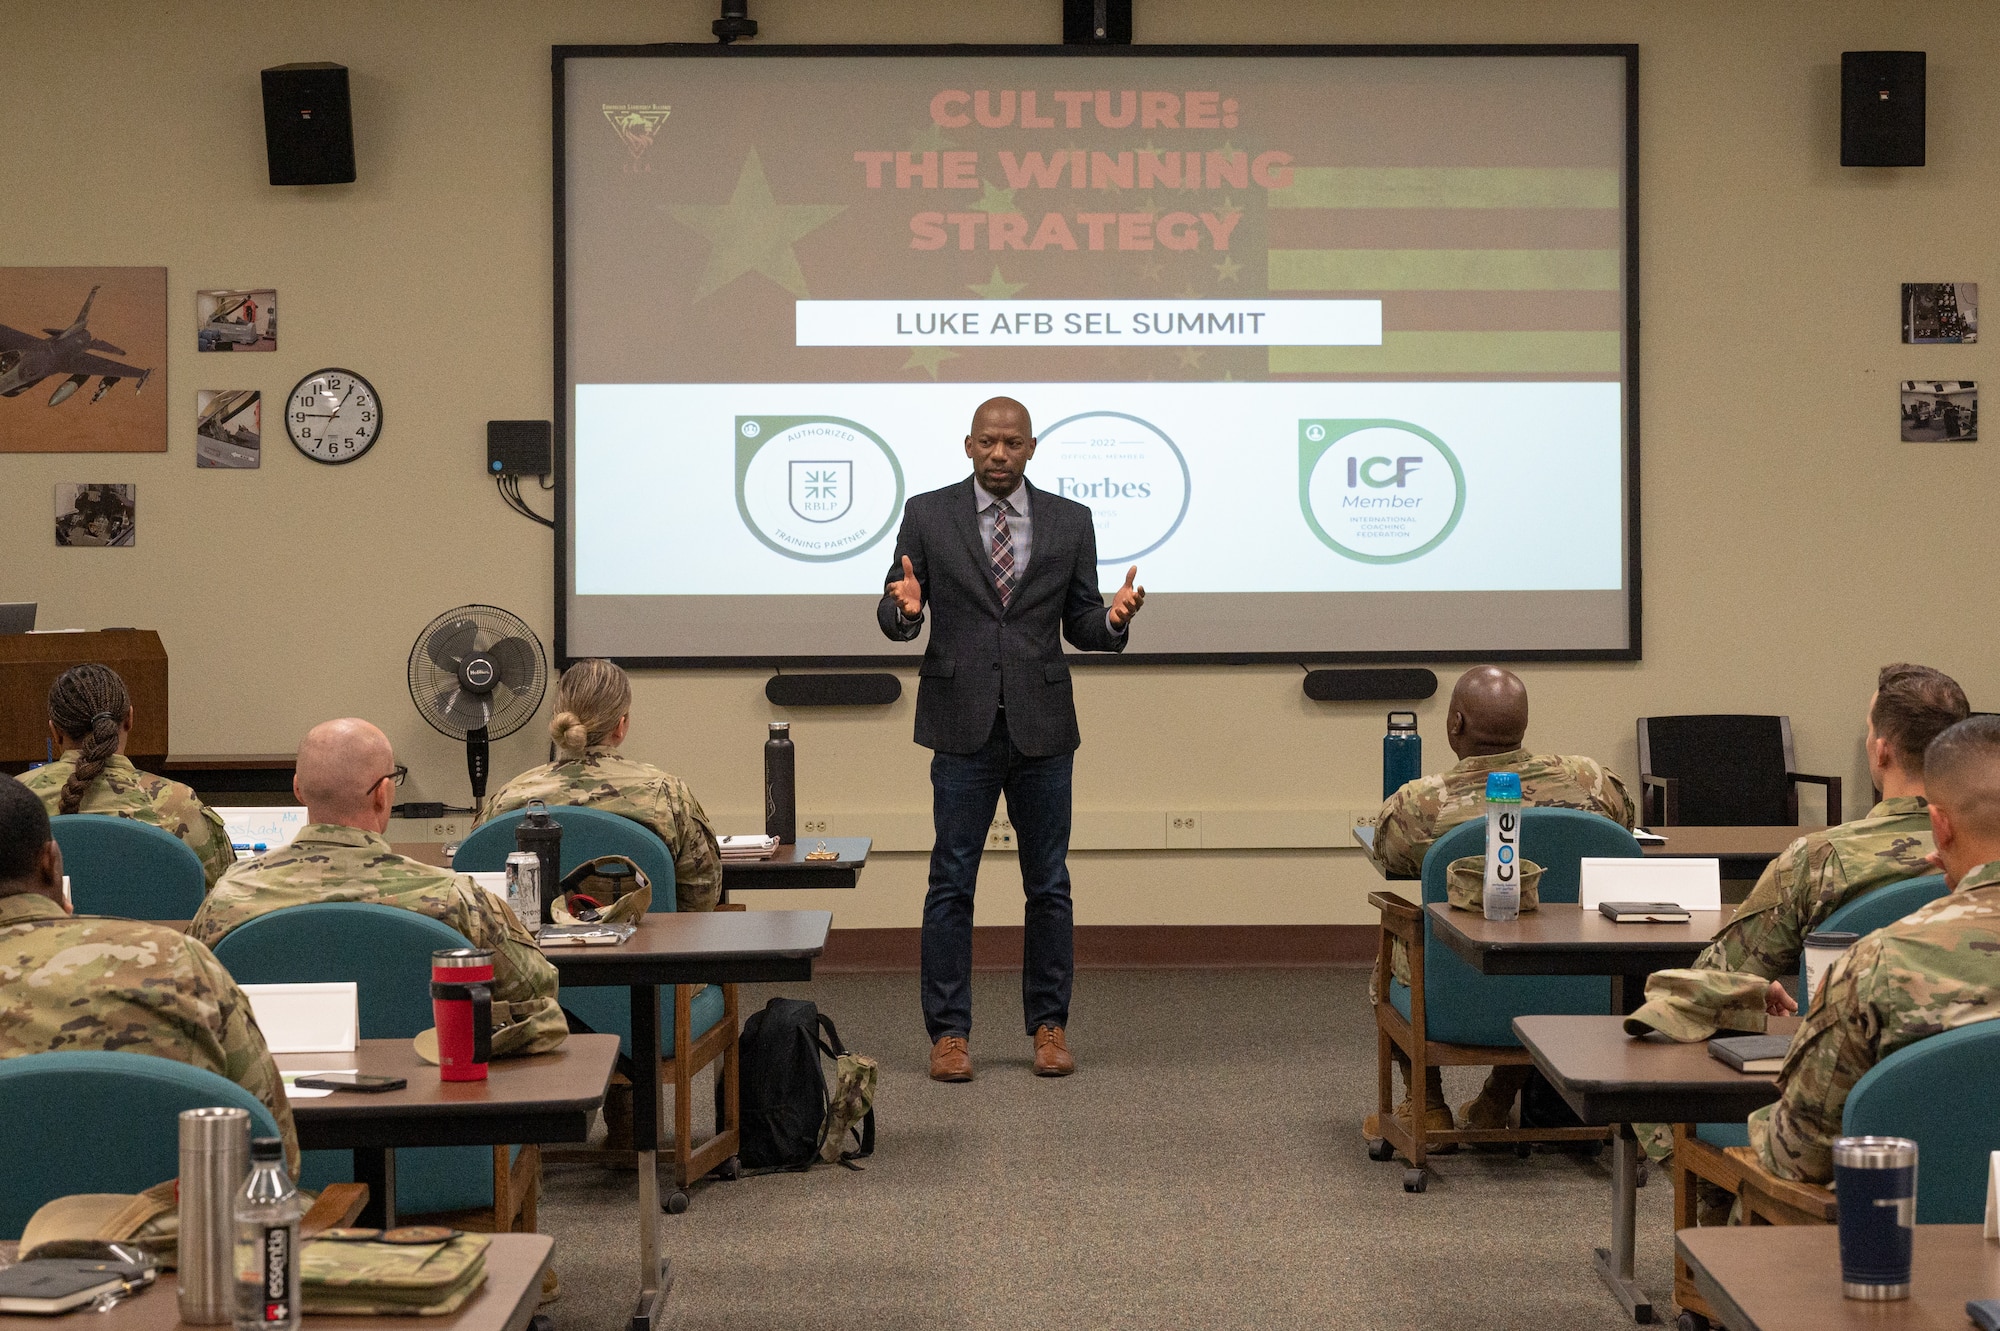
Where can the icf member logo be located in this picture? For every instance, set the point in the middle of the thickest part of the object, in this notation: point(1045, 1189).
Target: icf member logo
point(1378, 491)
point(815, 488)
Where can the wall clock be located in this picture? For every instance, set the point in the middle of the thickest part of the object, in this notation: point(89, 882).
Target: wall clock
point(333, 416)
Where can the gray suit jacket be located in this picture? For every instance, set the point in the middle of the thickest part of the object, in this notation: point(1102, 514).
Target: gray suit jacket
point(979, 653)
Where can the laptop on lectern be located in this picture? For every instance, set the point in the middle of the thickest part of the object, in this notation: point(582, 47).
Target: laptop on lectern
point(17, 616)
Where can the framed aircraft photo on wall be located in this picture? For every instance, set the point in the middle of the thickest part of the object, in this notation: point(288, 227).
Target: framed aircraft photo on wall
point(83, 360)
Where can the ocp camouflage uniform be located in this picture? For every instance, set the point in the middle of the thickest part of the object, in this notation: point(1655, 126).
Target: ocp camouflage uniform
point(1931, 972)
point(88, 982)
point(328, 862)
point(126, 792)
point(1815, 876)
point(1428, 807)
point(603, 778)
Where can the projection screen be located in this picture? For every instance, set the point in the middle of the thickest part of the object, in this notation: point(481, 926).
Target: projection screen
point(1339, 345)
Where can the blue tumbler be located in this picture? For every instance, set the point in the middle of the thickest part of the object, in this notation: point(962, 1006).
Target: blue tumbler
point(1875, 1179)
point(1402, 753)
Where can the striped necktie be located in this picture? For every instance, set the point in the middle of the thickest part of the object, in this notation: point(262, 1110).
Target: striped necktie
point(1003, 554)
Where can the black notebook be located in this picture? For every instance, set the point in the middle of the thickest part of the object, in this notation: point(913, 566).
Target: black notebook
point(1642, 912)
point(49, 1285)
point(1751, 1053)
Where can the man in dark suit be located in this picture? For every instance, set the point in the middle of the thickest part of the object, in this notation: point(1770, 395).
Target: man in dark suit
point(1008, 571)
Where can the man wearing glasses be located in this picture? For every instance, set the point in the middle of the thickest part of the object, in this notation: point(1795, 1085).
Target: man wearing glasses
point(347, 777)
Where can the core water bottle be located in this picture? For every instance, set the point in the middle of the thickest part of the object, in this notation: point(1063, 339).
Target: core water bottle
point(1402, 753)
point(781, 803)
point(1503, 845)
point(267, 1243)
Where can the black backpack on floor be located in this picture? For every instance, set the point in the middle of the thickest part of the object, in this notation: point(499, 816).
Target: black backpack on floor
point(782, 1088)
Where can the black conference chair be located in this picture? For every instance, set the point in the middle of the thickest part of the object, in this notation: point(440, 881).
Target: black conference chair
point(1723, 771)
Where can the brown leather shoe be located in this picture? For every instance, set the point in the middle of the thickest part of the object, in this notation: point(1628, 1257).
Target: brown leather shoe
point(1052, 1056)
point(950, 1059)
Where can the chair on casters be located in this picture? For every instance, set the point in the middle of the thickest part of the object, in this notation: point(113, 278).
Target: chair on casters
point(55, 1102)
point(1723, 771)
point(1450, 1015)
point(121, 866)
point(386, 952)
point(704, 1019)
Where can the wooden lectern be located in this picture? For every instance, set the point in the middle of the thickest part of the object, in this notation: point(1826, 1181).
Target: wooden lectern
point(31, 662)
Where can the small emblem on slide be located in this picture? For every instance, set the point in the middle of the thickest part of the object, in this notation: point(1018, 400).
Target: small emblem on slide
point(1378, 491)
point(1126, 470)
point(638, 126)
point(815, 488)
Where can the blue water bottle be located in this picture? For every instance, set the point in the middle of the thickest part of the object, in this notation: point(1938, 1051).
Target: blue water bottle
point(1503, 845)
point(1402, 753)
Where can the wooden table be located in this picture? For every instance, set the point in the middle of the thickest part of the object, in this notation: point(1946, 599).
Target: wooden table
point(1744, 851)
point(513, 1288)
point(788, 869)
point(539, 1098)
point(1787, 1278)
point(742, 947)
point(1565, 939)
point(1613, 1079)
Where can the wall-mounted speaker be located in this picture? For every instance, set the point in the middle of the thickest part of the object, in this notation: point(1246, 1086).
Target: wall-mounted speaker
point(1385, 685)
point(1881, 108)
point(308, 124)
point(1097, 22)
point(872, 689)
point(518, 448)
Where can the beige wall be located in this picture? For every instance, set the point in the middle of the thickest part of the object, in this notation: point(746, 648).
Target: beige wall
point(1790, 543)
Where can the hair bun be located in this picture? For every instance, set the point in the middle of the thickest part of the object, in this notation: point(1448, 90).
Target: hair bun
point(567, 732)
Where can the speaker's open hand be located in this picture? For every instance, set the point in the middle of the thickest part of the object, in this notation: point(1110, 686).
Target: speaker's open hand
point(1125, 602)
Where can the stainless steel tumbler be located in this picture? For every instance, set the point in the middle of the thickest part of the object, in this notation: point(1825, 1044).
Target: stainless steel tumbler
point(1875, 1179)
point(215, 1161)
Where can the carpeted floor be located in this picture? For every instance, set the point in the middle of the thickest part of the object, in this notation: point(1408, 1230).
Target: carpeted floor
point(1203, 1169)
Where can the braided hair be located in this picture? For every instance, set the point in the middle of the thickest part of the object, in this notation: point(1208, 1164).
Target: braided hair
point(87, 704)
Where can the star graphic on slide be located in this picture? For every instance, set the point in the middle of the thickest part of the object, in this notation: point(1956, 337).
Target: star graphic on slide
point(929, 358)
point(1227, 148)
point(1227, 270)
point(1153, 270)
point(1191, 357)
point(753, 232)
point(995, 200)
point(1228, 207)
point(995, 287)
point(931, 138)
point(1189, 293)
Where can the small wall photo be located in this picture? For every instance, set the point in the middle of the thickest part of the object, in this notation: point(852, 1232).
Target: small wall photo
point(96, 514)
point(236, 320)
point(1940, 312)
point(1940, 411)
point(228, 428)
point(83, 357)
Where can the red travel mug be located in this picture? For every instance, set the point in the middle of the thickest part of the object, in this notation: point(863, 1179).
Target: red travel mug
point(462, 1004)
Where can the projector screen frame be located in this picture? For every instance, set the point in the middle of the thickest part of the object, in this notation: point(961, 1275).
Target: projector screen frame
point(1627, 52)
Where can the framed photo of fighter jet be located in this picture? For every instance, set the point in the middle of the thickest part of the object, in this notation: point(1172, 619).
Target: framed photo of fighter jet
point(83, 360)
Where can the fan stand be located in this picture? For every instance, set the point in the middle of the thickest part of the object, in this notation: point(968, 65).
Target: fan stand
point(477, 763)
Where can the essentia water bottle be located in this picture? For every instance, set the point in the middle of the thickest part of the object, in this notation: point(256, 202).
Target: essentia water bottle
point(1503, 845)
point(267, 1243)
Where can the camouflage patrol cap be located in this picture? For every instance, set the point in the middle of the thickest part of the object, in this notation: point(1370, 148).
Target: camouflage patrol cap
point(1691, 1005)
point(1465, 883)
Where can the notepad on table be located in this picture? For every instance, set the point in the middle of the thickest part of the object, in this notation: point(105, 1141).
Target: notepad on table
point(748, 847)
point(1642, 912)
point(1751, 1053)
point(584, 935)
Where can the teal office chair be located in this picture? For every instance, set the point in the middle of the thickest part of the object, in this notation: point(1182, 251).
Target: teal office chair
point(1457, 1016)
point(1944, 1094)
point(710, 1010)
point(386, 953)
point(56, 1104)
point(121, 866)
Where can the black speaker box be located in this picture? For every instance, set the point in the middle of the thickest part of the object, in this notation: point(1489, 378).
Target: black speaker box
point(857, 690)
point(518, 448)
point(1097, 22)
point(1881, 108)
point(308, 128)
point(1384, 685)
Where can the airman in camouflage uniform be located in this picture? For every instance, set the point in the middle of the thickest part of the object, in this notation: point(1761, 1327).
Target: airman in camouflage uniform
point(1815, 876)
point(1425, 809)
point(602, 778)
point(329, 862)
point(126, 792)
point(70, 983)
point(1928, 973)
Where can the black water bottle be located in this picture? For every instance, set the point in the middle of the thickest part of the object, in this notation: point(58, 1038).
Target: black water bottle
point(781, 801)
point(541, 836)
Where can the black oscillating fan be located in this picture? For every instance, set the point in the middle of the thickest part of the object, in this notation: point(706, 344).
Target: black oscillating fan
point(477, 674)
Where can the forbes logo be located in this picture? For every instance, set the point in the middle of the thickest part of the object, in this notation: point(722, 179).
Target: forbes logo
point(1378, 491)
point(1131, 476)
point(815, 488)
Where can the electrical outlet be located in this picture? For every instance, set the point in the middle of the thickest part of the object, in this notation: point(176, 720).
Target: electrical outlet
point(447, 829)
point(813, 826)
point(1183, 831)
point(1000, 836)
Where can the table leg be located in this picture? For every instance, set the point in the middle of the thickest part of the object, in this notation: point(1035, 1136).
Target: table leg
point(1614, 1265)
point(1628, 993)
point(655, 1278)
point(376, 1166)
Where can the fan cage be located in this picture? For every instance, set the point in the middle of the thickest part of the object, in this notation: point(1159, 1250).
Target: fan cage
point(430, 680)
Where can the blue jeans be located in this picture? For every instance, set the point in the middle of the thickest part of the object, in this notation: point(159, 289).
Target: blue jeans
point(965, 790)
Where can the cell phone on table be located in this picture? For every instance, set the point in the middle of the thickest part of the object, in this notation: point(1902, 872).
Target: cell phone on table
point(350, 1081)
